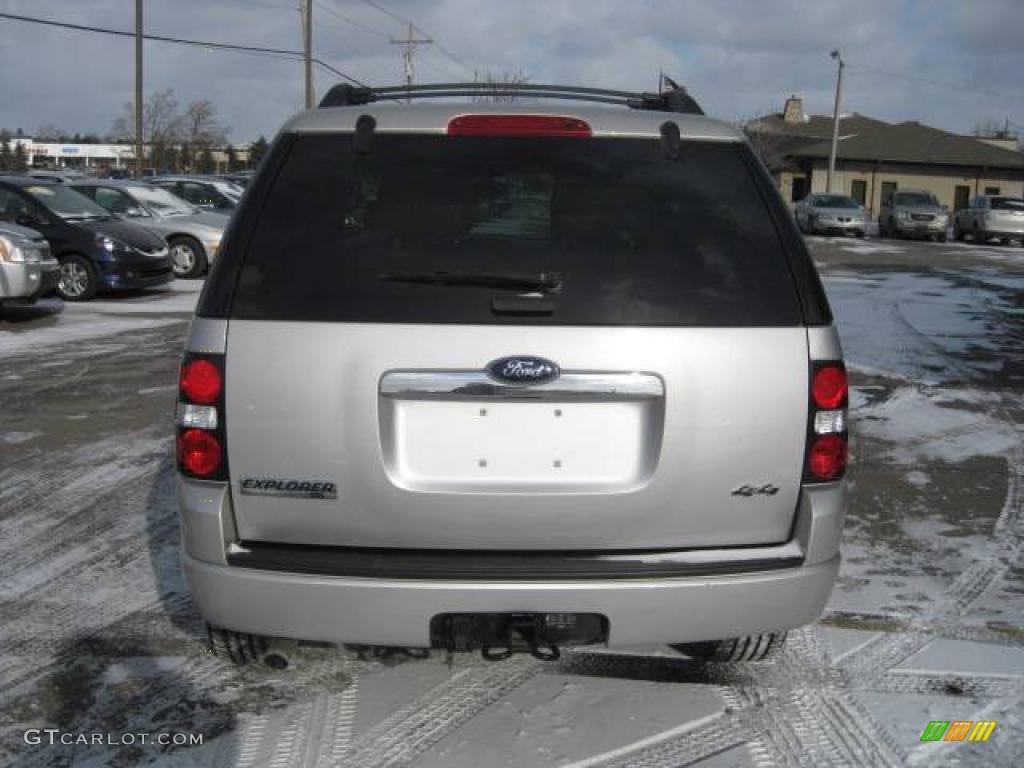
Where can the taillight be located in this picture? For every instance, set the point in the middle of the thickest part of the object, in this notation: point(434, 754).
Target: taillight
point(523, 126)
point(199, 418)
point(199, 452)
point(200, 381)
point(829, 387)
point(826, 425)
point(827, 457)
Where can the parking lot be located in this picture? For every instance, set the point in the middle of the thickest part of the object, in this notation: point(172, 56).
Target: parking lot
point(926, 621)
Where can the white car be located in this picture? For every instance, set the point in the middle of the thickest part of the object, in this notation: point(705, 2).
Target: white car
point(991, 216)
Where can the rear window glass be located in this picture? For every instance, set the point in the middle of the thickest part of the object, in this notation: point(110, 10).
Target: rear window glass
point(634, 238)
point(1008, 204)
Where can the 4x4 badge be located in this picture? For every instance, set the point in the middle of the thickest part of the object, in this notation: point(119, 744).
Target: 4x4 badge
point(751, 490)
point(523, 370)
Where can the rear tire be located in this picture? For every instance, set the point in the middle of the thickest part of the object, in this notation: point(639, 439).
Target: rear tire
point(749, 648)
point(238, 648)
point(187, 257)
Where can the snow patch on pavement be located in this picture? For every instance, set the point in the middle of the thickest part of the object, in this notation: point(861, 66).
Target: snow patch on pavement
point(922, 424)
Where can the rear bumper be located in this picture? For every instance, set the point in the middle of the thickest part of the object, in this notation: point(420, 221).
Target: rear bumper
point(723, 598)
point(398, 612)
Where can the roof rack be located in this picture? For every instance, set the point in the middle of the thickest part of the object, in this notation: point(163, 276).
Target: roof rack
point(674, 100)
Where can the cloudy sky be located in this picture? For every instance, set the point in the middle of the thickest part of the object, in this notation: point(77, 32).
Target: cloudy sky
point(949, 63)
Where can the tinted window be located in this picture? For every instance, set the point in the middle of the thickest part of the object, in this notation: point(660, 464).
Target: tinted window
point(638, 238)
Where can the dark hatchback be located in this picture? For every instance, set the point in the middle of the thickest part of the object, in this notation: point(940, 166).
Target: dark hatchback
point(95, 250)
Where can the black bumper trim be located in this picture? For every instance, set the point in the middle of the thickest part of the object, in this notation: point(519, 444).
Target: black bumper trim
point(476, 565)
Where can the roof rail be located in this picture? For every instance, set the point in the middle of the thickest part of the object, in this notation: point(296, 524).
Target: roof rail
point(674, 100)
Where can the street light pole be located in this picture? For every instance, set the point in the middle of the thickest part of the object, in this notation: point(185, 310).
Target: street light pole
point(835, 123)
point(139, 160)
point(307, 49)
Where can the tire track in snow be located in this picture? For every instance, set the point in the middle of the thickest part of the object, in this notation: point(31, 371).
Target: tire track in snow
point(881, 654)
point(402, 737)
point(793, 711)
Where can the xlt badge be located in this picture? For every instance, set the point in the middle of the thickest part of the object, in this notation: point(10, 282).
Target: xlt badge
point(280, 486)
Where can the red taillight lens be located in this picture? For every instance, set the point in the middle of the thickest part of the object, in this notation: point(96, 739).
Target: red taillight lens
point(827, 457)
point(199, 452)
point(526, 126)
point(829, 387)
point(200, 381)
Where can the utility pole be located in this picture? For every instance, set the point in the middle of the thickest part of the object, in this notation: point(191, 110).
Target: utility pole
point(835, 123)
point(139, 160)
point(306, 10)
point(410, 43)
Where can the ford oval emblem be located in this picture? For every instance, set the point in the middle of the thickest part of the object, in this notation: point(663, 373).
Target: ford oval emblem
point(523, 370)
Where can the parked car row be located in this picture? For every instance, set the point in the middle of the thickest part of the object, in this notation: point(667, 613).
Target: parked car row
point(99, 235)
point(914, 213)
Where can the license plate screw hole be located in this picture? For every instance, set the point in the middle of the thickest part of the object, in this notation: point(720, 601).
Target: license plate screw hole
point(558, 413)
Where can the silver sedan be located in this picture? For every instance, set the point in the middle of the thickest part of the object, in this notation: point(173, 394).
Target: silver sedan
point(192, 235)
point(27, 270)
point(830, 214)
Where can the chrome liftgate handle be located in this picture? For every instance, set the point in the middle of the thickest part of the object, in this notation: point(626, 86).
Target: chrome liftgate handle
point(469, 385)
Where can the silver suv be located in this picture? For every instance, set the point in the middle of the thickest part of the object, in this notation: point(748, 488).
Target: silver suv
point(511, 377)
point(913, 213)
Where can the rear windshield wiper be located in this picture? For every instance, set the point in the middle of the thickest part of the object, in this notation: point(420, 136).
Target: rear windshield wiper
point(545, 282)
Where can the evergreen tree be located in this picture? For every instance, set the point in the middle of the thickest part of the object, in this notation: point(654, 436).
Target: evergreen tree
point(256, 151)
point(206, 161)
point(20, 161)
point(6, 156)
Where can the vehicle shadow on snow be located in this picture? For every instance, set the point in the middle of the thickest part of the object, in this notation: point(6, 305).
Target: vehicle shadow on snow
point(148, 672)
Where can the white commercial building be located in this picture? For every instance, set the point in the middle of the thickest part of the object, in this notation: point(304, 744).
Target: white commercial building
point(44, 153)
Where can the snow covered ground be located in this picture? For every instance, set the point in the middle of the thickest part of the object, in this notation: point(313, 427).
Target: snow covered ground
point(97, 633)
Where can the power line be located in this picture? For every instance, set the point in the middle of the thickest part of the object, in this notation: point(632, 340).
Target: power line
point(933, 83)
point(331, 12)
point(416, 27)
point(250, 49)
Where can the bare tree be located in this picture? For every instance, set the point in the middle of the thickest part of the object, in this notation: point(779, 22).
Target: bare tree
point(993, 129)
point(49, 132)
point(201, 127)
point(502, 88)
point(161, 125)
point(164, 127)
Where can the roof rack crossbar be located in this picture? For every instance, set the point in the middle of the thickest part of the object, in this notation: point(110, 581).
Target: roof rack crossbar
point(344, 95)
point(401, 96)
point(488, 88)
